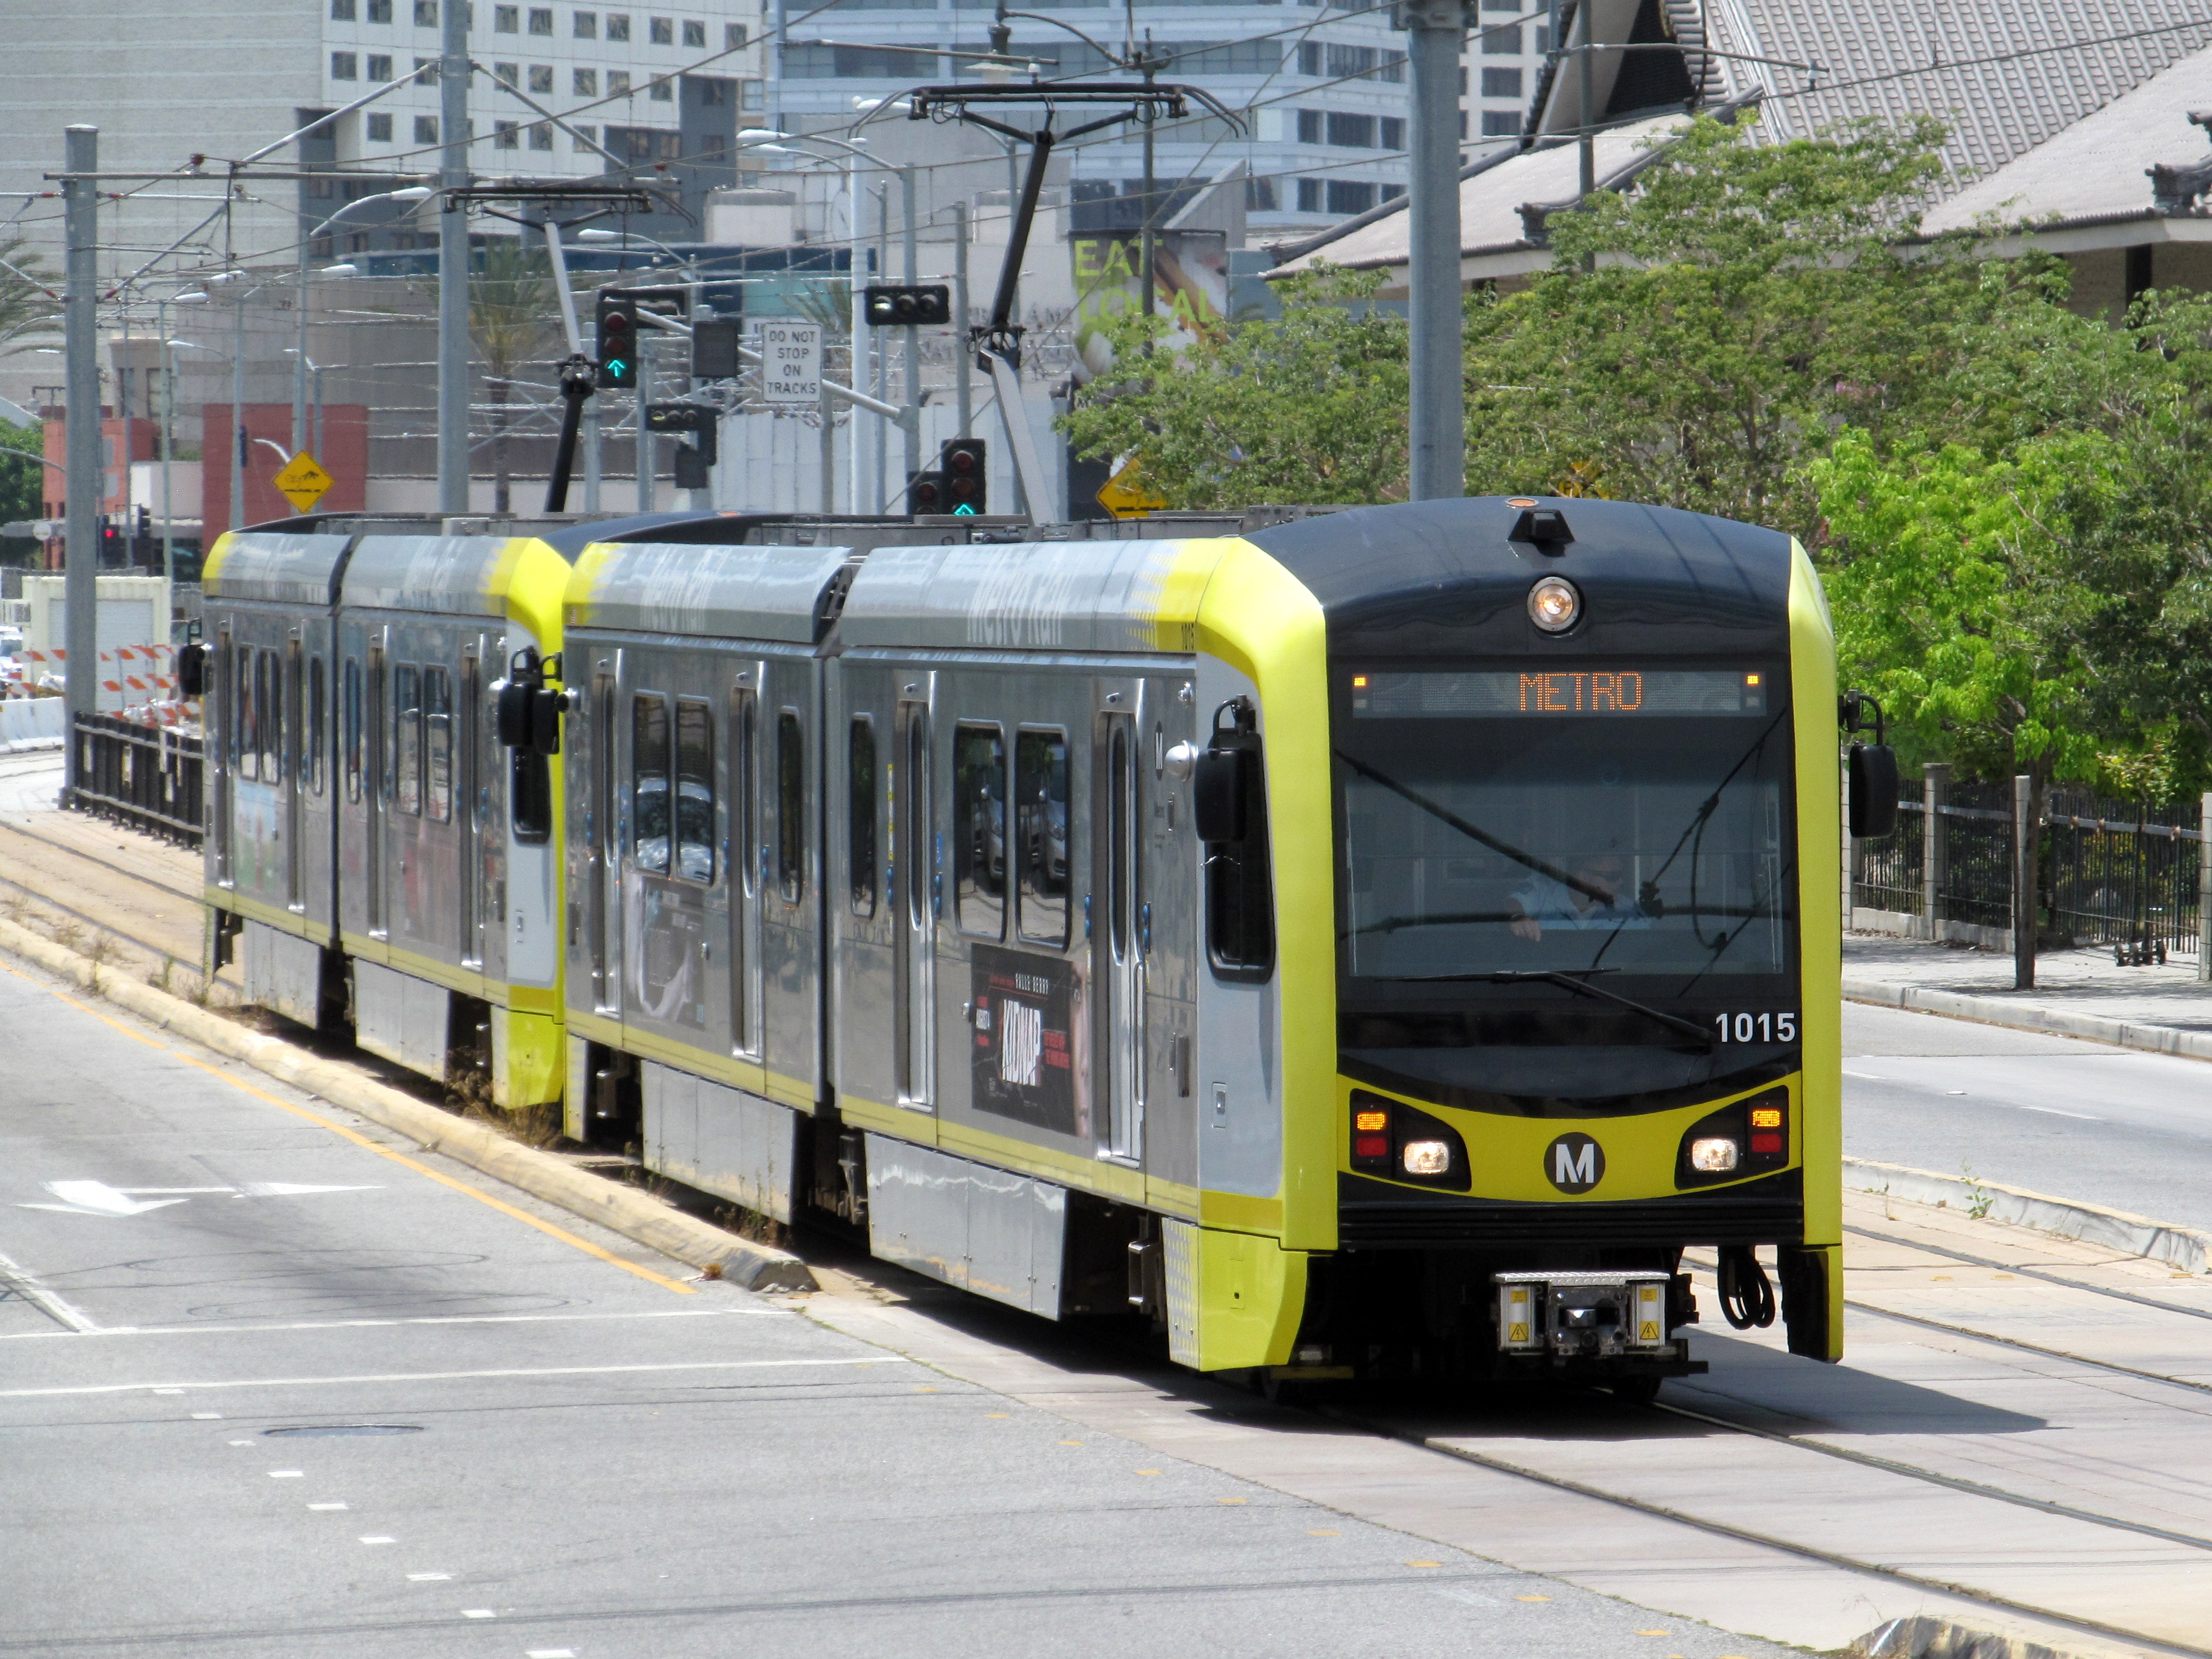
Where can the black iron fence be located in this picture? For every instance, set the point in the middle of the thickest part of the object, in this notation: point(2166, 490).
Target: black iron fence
point(2108, 871)
point(146, 776)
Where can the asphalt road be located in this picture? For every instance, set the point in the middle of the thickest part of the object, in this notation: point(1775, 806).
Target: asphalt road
point(274, 1386)
point(2073, 1119)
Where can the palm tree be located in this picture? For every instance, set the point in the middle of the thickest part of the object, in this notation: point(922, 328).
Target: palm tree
point(26, 302)
point(514, 320)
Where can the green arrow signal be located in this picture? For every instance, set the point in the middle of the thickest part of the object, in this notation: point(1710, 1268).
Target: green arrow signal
point(963, 511)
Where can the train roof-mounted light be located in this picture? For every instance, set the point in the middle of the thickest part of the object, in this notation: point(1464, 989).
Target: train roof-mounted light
point(1554, 605)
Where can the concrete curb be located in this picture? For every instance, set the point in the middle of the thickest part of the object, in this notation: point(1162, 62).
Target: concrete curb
point(2185, 1248)
point(621, 1209)
point(2031, 1016)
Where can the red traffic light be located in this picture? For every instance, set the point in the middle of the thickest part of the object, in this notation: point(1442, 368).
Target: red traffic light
point(614, 322)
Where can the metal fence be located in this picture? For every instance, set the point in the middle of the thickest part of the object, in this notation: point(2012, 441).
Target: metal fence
point(146, 776)
point(2108, 871)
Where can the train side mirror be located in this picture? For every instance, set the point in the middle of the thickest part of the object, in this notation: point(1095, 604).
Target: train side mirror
point(1874, 791)
point(546, 708)
point(516, 723)
point(191, 670)
point(1220, 792)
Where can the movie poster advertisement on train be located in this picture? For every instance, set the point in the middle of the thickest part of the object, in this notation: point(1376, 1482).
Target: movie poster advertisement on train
point(1028, 1054)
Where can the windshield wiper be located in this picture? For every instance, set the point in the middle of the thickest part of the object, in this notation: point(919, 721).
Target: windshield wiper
point(1468, 918)
point(1574, 883)
point(1573, 981)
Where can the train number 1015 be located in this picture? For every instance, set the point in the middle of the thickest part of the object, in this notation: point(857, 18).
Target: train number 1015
point(1757, 1028)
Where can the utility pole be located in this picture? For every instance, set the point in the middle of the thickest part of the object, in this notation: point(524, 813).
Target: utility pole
point(81, 341)
point(453, 262)
point(238, 439)
point(1439, 462)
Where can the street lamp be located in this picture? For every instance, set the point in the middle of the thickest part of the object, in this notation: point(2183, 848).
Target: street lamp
point(411, 193)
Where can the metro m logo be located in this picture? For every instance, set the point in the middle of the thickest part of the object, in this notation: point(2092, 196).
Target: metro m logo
point(1574, 1163)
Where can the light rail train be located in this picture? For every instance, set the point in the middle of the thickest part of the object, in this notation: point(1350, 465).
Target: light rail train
point(1368, 943)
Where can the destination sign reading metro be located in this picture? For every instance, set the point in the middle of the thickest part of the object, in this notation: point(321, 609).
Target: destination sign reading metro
point(1559, 691)
point(791, 362)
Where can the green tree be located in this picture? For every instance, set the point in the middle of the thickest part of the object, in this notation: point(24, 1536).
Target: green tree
point(514, 322)
point(1309, 408)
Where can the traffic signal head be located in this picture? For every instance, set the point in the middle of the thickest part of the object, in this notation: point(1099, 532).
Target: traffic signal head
point(928, 306)
point(924, 493)
point(961, 461)
point(618, 347)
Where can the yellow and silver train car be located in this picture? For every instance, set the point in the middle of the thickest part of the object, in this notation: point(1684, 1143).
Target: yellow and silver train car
point(1377, 944)
point(373, 857)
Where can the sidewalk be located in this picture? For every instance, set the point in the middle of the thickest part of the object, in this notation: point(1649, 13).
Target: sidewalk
point(2077, 992)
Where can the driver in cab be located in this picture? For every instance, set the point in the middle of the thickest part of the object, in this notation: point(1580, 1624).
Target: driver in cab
point(1589, 898)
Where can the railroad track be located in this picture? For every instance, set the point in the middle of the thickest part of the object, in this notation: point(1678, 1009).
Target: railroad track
point(2188, 1408)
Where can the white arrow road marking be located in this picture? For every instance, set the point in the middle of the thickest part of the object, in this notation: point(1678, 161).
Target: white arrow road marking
point(95, 1198)
point(98, 1197)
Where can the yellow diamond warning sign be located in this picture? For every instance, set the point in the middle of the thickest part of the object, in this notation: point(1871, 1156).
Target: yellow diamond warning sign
point(1126, 496)
point(303, 481)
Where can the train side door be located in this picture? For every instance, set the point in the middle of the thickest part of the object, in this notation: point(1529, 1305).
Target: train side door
point(748, 861)
point(1121, 920)
point(377, 789)
point(790, 900)
point(468, 815)
point(293, 730)
point(223, 729)
point(603, 841)
point(913, 892)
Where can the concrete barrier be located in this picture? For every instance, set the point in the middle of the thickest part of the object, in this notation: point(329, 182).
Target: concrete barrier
point(619, 1208)
point(2185, 1248)
point(33, 723)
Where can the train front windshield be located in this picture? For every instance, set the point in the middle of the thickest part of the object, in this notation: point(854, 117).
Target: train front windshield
point(1503, 830)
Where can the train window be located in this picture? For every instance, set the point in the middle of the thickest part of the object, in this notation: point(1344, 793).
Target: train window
point(1240, 895)
point(860, 815)
point(1119, 784)
point(529, 797)
point(350, 736)
point(269, 716)
point(318, 714)
point(245, 747)
point(745, 815)
point(694, 790)
point(407, 737)
point(979, 831)
point(1041, 824)
point(790, 806)
point(648, 781)
point(438, 742)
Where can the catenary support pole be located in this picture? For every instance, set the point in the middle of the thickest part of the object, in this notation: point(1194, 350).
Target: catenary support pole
point(81, 434)
point(647, 447)
point(912, 431)
point(1439, 462)
point(964, 404)
point(453, 263)
point(1935, 793)
point(827, 417)
point(238, 439)
point(2204, 889)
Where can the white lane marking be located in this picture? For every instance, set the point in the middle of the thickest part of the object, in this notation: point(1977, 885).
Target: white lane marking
point(98, 1197)
point(457, 1376)
point(15, 1276)
point(478, 1613)
point(1869, 1076)
point(548, 1653)
point(425, 1319)
point(379, 1541)
point(428, 1578)
point(2052, 1111)
point(287, 1475)
point(326, 1506)
point(207, 1417)
point(168, 1391)
point(238, 1443)
point(1472, 1598)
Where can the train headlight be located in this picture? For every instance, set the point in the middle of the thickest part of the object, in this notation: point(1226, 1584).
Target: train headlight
point(1554, 605)
point(1426, 1158)
point(1713, 1155)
